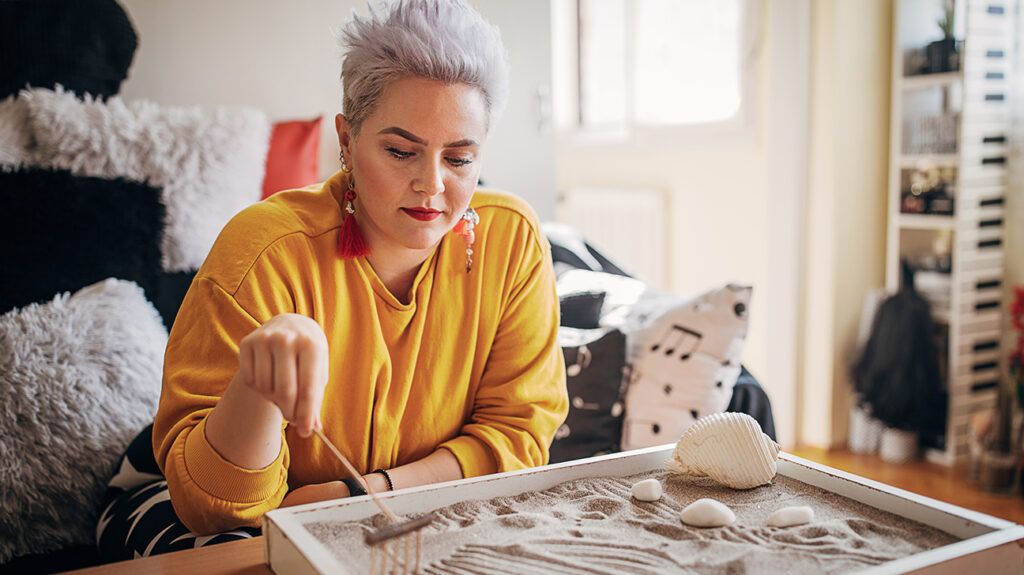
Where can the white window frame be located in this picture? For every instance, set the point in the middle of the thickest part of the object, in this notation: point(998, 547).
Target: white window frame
point(739, 126)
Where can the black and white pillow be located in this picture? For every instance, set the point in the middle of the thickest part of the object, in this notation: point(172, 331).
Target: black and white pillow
point(685, 364)
point(138, 519)
point(595, 360)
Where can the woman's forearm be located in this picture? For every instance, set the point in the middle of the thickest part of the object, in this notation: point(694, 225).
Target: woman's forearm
point(437, 467)
point(244, 428)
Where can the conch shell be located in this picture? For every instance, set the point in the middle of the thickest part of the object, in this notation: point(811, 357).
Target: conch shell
point(729, 448)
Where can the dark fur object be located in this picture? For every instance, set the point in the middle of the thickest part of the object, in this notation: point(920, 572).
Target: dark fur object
point(897, 375)
point(61, 232)
point(85, 45)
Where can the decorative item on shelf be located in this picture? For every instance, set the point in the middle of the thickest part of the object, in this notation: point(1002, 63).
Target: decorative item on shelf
point(911, 204)
point(929, 190)
point(897, 374)
point(943, 55)
point(942, 247)
point(931, 133)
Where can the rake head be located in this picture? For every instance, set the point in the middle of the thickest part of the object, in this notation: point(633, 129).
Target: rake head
point(399, 543)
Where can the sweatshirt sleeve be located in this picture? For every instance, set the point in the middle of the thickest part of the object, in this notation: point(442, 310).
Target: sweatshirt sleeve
point(209, 493)
point(522, 398)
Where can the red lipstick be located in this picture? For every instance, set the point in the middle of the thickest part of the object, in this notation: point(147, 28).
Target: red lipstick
point(422, 214)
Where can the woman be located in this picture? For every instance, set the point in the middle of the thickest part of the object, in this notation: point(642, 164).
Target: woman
point(424, 348)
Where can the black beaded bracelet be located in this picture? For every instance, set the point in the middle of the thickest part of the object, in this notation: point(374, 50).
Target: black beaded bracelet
point(387, 478)
point(355, 488)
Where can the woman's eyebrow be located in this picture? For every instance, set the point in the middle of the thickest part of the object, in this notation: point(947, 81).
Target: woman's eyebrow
point(418, 140)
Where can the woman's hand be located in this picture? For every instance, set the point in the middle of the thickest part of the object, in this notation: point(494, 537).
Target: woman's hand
point(285, 361)
point(316, 492)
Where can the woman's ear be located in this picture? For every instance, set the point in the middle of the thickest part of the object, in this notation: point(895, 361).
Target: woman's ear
point(344, 130)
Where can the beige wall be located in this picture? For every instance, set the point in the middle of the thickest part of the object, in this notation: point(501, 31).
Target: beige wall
point(845, 246)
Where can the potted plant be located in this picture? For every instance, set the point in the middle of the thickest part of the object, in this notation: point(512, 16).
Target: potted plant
point(1016, 383)
point(942, 54)
point(1000, 464)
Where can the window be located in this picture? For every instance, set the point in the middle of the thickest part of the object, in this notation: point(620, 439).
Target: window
point(628, 65)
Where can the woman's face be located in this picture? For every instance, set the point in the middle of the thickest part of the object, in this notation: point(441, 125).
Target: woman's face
point(416, 161)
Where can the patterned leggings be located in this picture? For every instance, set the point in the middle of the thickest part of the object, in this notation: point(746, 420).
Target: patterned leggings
point(137, 518)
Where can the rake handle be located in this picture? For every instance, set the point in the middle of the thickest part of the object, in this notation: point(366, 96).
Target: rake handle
point(354, 473)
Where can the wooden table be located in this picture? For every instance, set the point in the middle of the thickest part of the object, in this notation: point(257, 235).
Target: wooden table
point(235, 558)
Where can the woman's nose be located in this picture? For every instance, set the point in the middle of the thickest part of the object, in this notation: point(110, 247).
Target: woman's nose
point(431, 178)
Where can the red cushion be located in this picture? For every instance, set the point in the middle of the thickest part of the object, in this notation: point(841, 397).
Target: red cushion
point(292, 156)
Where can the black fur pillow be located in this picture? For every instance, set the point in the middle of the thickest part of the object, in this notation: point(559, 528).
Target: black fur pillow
point(84, 45)
point(594, 362)
point(62, 232)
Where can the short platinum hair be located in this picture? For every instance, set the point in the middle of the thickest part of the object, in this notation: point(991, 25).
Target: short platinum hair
point(443, 40)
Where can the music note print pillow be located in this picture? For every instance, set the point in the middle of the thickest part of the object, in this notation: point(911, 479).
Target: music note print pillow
point(685, 366)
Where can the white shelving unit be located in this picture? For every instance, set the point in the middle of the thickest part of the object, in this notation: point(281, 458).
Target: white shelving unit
point(954, 121)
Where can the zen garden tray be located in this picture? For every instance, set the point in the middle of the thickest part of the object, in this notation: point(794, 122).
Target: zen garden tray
point(573, 519)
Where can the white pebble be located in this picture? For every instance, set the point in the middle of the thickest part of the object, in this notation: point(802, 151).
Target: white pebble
point(707, 513)
point(791, 516)
point(647, 490)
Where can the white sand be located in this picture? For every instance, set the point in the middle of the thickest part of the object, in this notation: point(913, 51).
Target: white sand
point(592, 526)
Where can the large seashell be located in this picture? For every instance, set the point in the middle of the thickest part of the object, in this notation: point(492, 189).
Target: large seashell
point(729, 448)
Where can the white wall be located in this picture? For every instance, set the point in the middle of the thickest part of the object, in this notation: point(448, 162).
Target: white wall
point(281, 57)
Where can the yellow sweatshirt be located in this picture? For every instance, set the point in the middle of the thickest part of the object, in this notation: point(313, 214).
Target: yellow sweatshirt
point(471, 364)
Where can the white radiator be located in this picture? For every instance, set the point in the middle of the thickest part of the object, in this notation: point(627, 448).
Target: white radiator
point(628, 225)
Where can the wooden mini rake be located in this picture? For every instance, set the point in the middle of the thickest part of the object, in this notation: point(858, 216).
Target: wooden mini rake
point(395, 541)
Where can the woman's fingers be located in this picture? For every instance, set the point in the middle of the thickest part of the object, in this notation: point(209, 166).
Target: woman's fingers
point(307, 404)
point(245, 363)
point(286, 360)
point(262, 367)
point(285, 384)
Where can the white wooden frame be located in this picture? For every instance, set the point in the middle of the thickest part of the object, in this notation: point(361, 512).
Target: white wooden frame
point(989, 545)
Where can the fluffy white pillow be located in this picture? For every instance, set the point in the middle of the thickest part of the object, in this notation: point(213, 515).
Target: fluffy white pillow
point(684, 366)
point(209, 164)
point(79, 377)
point(15, 134)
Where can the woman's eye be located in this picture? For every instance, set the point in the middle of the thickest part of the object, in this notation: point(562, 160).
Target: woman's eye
point(459, 162)
point(399, 154)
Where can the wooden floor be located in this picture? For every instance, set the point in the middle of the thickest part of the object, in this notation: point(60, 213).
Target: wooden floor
point(928, 479)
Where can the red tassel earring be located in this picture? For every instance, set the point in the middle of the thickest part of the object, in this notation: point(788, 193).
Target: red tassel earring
point(465, 229)
point(351, 243)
